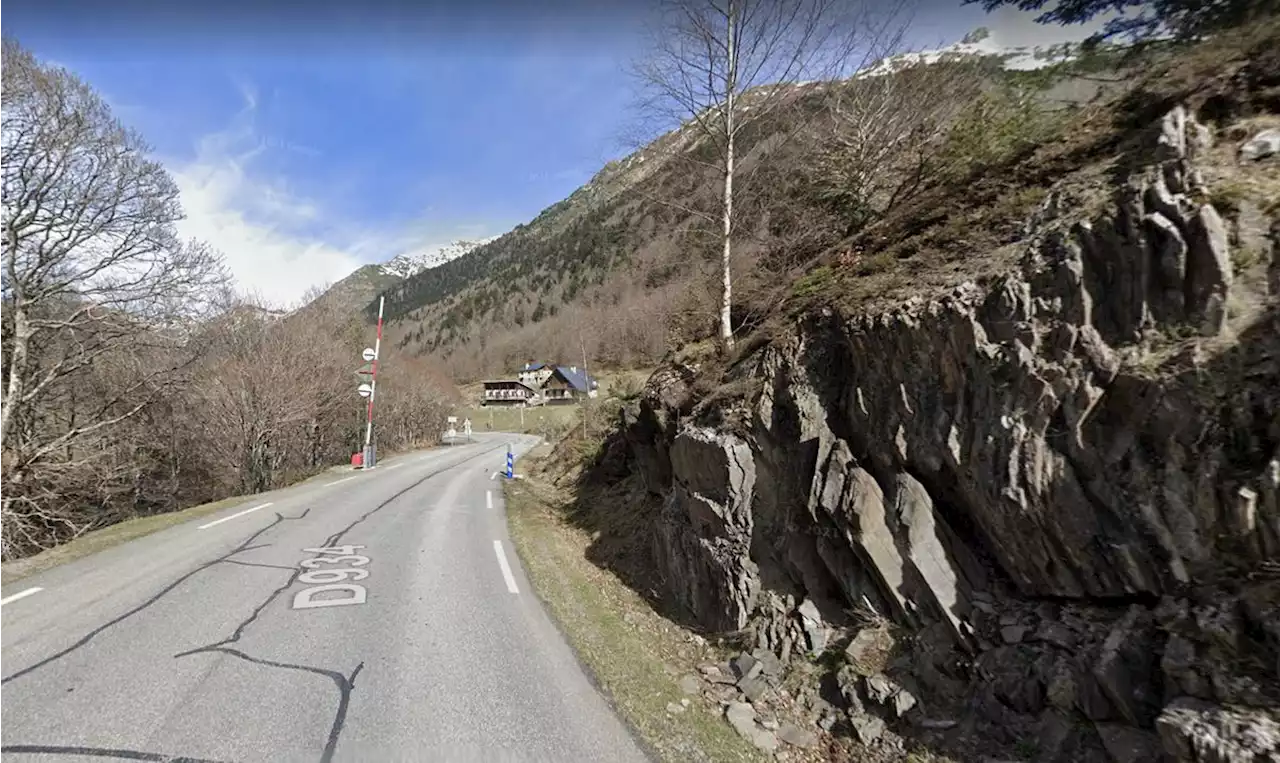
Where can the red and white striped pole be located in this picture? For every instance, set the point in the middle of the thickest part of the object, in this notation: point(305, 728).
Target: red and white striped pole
point(373, 389)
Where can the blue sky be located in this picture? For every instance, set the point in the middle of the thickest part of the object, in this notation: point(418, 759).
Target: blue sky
point(308, 144)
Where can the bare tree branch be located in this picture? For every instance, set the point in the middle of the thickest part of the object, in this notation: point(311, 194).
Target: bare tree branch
point(721, 68)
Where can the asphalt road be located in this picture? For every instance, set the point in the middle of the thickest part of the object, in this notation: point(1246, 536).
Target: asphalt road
point(216, 640)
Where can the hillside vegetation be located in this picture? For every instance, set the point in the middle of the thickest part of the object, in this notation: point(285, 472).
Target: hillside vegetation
point(998, 476)
point(626, 267)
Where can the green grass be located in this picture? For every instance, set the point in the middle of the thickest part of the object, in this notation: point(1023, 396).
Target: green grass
point(632, 652)
point(544, 420)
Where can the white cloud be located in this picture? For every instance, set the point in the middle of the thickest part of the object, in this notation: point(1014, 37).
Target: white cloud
point(265, 230)
point(264, 259)
point(254, 220)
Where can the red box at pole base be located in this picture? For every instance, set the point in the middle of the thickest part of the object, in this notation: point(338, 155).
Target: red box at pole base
point(357, 460)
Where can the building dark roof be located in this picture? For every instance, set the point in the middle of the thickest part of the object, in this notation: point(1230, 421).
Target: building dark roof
point(489, 382)
point(574, 377)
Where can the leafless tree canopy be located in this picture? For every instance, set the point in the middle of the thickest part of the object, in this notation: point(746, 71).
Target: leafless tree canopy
point(134, 382)
point(721, 68)
point(884, 133)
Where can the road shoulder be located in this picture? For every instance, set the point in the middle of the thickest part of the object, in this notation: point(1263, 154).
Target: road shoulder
point(636, 656)
point(119, 533)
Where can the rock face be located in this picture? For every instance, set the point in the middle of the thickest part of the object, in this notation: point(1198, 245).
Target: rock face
point(940, 461)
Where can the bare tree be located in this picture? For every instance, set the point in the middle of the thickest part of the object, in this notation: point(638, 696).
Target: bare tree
point(721, 68)
point(884, 132)
point(99, 293)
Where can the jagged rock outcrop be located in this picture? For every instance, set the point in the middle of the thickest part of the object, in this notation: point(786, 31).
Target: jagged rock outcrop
point(1058, 434)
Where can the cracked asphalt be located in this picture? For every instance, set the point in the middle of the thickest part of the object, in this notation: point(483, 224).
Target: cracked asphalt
point(198, 644)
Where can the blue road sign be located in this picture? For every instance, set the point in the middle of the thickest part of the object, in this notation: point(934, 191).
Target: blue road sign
point(511, 464)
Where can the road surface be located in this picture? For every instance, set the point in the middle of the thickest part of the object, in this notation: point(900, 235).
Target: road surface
point(373, 616)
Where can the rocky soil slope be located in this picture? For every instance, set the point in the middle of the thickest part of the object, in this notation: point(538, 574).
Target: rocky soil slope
point(1033, 516)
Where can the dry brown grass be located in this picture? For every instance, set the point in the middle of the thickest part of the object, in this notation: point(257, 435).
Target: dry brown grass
point(636, 655)
point(969, 230)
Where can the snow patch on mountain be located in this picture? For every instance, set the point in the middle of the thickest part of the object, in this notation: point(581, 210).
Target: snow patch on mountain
point(979, 44)
point(405, 265)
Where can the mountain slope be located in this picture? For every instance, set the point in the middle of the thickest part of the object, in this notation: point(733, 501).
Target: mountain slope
point(362, 287)
point(407, 265)
point(621, 268)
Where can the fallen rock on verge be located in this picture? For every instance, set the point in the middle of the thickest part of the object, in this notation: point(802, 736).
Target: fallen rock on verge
point(742, 717)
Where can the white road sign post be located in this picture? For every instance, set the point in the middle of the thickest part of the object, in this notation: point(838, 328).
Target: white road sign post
point(466, 428)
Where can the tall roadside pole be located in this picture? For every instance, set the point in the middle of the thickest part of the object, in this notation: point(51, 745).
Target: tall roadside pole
point(369, 456)
point(587, 380)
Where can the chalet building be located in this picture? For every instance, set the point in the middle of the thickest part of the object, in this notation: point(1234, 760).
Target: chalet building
point(538, 383)
point(510, 392)
point(568, 384)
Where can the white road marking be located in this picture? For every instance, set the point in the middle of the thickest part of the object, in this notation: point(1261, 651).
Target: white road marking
point(21, 595)
point(233, 516)
point(493, 476)
point(339, 482)
point(488, 499)
point(393, 466)
point(506, 568)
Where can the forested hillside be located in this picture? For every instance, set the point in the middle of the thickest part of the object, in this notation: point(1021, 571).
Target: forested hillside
point(626, 265)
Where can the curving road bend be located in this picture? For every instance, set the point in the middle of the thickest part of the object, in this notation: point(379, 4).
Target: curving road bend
point(375, 616)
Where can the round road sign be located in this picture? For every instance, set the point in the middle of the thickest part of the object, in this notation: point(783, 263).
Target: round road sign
point(368, 354)
point(365, 390)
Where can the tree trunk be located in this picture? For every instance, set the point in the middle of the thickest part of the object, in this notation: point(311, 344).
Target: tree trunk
point(17, 370)
point(726, 299)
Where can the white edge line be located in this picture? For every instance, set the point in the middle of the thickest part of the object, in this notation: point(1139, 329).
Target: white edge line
point(488, 499)
point(393, 466)
point(506, 568)
point(20, 595)
point(339, 482)
point(233, 516)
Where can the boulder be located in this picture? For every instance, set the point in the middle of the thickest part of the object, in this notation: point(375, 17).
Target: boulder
point(815, 632)
point(742, 717)
point(867, 728)
point(1262, 145)
point(796, 736)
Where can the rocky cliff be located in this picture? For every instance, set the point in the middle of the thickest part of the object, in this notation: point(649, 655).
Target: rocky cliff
point(1055, 492)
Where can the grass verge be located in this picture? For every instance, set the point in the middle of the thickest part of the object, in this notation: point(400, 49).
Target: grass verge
point(113, 535)
point(122, 532)
point(636, 656)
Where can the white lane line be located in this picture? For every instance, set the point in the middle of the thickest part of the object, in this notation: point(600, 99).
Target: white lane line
point(393, 466)
point(339, 482)
point(488, 499)
point(506, 568)
point(21, 595)
point(233, 516)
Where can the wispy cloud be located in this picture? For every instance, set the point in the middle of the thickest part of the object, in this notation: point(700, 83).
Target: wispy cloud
point(277, 242)
point(254, 220)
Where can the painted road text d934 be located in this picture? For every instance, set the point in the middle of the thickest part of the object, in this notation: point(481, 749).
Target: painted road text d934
point(332, 571)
